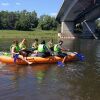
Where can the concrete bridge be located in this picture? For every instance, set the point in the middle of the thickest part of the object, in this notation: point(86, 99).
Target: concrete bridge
point(74, 12)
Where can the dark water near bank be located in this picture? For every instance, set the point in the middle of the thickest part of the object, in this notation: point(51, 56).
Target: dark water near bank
point(76, 81)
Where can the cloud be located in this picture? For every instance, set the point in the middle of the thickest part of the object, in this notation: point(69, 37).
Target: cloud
point(53, 14)
point(5, 4)
point(18, 3)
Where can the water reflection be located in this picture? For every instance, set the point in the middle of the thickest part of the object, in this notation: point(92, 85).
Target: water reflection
point(18, 73)
point(21, 80)
point(39, 71)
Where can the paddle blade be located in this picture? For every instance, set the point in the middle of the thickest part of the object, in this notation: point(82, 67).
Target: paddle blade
point(80, 57)
point(60, 64)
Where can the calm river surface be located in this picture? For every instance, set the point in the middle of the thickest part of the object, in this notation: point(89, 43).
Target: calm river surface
point(76, 81)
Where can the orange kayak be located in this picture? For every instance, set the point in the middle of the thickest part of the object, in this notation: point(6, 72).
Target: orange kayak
point(37, 60)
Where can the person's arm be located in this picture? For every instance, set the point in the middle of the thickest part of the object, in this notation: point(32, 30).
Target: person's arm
point(22, 46)
point(23, 41)
point(13, 51)
point(45, 47)
point(63, 49)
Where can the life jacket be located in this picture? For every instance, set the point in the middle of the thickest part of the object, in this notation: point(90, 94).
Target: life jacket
point(41, 48)
point(16, 47)
point(56, 48)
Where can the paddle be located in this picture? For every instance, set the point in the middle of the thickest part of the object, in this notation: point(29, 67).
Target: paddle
point(78, 55)
point(81, 57)
point(61, 63)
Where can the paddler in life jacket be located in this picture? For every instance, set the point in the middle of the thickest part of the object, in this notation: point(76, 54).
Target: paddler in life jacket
point(58, 50)
point(23, 48)
point(35, 45)
point(50, 45)
point(43, 51)
point(23, 44)
point(14, 49)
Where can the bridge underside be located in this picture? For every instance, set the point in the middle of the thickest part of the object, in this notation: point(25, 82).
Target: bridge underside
point(76, 11)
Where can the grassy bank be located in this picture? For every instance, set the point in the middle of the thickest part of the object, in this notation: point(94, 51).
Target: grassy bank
point(28, 34)
point(7, 36)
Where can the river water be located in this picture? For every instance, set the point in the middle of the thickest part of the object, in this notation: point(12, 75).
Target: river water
point(76, 81)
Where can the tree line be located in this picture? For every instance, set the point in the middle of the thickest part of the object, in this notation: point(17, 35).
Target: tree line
point(24, 20)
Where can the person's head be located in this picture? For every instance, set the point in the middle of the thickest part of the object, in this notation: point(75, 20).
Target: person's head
point(51, 40)
point(60, 42)
point(15, 42)
point(43, 42)
point(36, 40)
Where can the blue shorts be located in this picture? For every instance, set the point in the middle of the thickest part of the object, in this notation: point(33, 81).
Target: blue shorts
point(16, 56)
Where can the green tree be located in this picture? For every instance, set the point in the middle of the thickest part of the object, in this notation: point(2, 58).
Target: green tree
point(4, 15)
point(27, 21)
point(24, 20)
point(47, 22)
point(11, 20)
point(33, 19)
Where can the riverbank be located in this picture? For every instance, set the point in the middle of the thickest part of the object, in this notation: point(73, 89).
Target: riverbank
point(28, 34)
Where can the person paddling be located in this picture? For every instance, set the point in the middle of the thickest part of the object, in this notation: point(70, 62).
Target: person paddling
point(58, 50)
point(50, 45)
point(14, 49)
point(35, 45)
point(23, 44)
point(23, 48)
point(43, 51)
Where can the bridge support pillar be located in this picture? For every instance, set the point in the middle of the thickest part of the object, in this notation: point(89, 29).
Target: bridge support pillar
point(88, 29)
point(67, 28)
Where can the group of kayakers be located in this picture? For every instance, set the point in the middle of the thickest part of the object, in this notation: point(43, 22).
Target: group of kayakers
point(43, 49)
